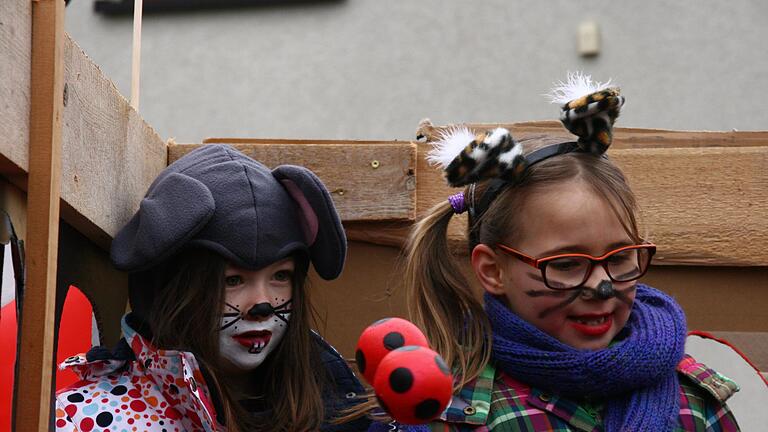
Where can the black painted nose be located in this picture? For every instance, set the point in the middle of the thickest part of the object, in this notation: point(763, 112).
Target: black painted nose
point(605, 290)
point(261, 310)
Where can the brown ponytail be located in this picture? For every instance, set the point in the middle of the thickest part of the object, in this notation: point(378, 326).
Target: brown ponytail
point(441, 301)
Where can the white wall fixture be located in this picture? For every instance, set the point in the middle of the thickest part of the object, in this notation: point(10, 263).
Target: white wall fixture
point(588, 39)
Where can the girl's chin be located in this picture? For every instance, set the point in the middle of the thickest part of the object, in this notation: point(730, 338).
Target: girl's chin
point(581, 341)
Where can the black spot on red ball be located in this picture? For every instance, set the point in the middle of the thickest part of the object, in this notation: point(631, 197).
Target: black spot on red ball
point(394, 340)
point(360, 359)
point(401, 380)
point(427, 409)
point(104, 419)
point(441, 365)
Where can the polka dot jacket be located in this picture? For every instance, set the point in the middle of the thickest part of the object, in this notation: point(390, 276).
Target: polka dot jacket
point(162, 390)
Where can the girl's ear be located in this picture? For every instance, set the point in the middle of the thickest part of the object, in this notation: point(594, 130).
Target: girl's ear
point(488, 270)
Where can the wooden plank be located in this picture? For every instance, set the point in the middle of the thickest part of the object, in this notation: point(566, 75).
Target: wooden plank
point(716, 297)
point(15, 70)
point(623, 137)
point(35, 357)
point(372, 182)
point(234, 141)
point(110, 154)
point(702, 206)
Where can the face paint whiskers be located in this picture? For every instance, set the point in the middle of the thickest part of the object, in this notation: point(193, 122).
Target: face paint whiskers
point(236, 316)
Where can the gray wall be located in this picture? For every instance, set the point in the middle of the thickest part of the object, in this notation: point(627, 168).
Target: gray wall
point(372, 69)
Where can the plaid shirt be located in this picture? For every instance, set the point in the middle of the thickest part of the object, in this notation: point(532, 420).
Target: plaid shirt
point(495, 401)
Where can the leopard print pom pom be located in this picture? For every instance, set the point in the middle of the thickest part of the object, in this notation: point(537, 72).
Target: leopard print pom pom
point(589, 110)
point(467, 158)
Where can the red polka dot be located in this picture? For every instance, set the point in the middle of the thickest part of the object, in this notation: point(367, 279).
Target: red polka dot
point(130, 421)
point(60, 423)
point(134, 393)
point(70, 410)
point(138, 406)
point(172, 413)
point(86, 425)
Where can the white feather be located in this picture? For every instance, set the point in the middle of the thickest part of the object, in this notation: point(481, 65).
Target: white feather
point(450, 143)
point(577, 85)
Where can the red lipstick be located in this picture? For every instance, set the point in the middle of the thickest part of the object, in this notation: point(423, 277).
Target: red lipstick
point(254, 338)
point(591, 324)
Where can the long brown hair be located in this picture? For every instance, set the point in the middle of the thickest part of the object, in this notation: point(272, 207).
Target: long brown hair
point(441, 301)
point(182, 316)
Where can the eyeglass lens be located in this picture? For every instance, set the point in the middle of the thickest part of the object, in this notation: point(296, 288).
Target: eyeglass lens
point(622, 266)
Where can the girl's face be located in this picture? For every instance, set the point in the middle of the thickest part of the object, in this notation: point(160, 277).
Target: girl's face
point(256, 311)
point(569, 219)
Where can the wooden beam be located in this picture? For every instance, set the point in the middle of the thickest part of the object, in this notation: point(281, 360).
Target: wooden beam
point(623, 137)
point(110, 155)
point(372, 182)
point(15, 70)
point(702, 206)
point(35, 357)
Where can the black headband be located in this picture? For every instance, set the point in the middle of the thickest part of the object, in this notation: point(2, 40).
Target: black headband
point(497, 185)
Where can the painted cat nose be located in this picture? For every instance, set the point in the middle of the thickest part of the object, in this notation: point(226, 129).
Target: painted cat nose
point(605, 290)
point(261, 310)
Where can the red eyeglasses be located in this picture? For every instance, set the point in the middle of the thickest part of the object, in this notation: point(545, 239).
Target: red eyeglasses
point(568, 271)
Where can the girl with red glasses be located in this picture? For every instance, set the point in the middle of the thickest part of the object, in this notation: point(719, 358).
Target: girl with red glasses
point(565, 337)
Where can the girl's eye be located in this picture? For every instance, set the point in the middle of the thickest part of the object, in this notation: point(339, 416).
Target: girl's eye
point(283, 276)
point(565, 264)
point(232, 281)
point(621, 257)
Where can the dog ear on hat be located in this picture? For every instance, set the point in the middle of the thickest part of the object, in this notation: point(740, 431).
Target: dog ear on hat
point(321, 225)
point(175, 209)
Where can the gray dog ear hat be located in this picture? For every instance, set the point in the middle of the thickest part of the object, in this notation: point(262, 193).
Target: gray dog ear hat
point(218, 198)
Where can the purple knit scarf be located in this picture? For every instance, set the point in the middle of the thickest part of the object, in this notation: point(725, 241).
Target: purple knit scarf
point(634, 377)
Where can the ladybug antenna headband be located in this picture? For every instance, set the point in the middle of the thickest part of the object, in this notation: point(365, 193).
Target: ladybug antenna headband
point(588, 110)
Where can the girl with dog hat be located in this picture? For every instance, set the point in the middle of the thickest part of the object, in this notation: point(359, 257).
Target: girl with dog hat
point(219, 335)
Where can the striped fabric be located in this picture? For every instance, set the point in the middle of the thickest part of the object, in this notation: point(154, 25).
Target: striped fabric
point(496, 402)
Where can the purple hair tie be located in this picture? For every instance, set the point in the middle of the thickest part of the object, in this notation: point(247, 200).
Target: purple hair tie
point(457, 203)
